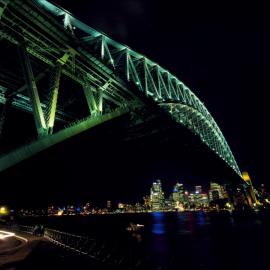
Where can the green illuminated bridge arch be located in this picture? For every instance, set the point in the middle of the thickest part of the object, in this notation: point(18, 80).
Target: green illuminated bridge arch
point(107, 71)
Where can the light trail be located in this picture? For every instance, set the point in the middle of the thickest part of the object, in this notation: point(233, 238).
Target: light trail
point(5, 234)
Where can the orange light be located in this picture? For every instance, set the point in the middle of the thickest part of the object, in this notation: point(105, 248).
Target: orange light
point(60, 213)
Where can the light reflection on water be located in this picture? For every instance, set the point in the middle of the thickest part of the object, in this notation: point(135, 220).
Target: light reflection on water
point(158, 226)
point(202, 219)
point(184, 240)
point(159, 244)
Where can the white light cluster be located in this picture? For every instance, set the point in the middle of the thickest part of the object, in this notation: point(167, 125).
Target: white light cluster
point(4, 234)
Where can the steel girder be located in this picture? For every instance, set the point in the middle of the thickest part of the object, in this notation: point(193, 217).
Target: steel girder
point(45, 142)
point(48, 41)
point(156, 82)
point(99, 59)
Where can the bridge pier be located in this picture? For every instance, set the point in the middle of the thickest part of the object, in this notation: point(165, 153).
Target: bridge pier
point(240, 196)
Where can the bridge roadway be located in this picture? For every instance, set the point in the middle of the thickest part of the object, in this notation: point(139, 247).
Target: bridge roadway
point(23, 251)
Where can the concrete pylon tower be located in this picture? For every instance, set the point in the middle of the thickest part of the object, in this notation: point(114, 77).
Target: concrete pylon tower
point(251, 196)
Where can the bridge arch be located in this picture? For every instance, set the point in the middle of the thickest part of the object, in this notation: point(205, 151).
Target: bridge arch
point(166, 89)
point(105, 69)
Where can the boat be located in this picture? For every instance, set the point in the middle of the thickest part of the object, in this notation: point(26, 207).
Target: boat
point(134, 227)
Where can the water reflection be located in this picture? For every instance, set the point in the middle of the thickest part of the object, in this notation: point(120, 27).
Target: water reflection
point(158, 226)
point(159, 244)
point(201, 220)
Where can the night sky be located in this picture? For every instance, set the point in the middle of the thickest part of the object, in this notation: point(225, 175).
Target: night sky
point(220, 51)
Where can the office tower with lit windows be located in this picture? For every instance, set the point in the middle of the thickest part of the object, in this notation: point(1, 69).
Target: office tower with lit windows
point(109, 205)
point(157, 196)
point(178, 194)
point(217, 192)
point(198, 189)
point(147, 202)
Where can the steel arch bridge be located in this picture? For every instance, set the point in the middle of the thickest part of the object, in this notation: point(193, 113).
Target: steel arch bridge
point(112, 77)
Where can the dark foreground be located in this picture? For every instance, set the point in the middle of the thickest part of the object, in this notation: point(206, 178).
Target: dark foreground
point(25, 251)
point(47, 256)
point(167, 241)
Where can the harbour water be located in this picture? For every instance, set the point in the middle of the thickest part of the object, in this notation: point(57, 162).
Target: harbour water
point(189, 240)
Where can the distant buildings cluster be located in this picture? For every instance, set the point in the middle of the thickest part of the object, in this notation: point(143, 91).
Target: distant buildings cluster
point(180, 199)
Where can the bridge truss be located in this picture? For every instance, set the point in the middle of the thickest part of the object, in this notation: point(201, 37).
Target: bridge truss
point(52, 43)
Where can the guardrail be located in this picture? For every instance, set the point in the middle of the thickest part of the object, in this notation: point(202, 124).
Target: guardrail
point(100, 250)
point(21, 228)
point(111, 253)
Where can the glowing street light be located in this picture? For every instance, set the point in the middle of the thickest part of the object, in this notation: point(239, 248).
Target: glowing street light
point(3, 210)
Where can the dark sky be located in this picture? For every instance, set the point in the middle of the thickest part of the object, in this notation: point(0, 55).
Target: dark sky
point(220, 51)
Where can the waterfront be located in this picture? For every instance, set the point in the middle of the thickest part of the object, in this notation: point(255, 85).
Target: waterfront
point(195, 240)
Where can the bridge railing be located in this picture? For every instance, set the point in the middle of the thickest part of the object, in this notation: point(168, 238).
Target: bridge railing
point(119, 254)
point(109, 252)
point(77, 243)
point(21, 228)
point(100, 250)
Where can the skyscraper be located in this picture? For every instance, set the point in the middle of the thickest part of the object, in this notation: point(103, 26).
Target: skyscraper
point(157, 196)
point(198, 189)
point(147, 202)
point(109, 205)
point(216, 192)
point(178, 194)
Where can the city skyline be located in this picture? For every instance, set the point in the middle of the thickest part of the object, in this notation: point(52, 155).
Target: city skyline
point(179, 198)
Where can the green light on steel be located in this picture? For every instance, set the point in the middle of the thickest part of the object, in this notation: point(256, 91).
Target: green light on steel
point(67, 21)
point(169, 85)
point(102, 47)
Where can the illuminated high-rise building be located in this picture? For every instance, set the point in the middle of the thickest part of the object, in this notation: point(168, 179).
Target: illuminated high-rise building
point(109, 205)
point(52, 210)
point(217, 192)
point(147, 202)
point(157, 196)
point(178, 194)
point(86, 209)
point(71, 210)
point(198, 189)
point(200, 199)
